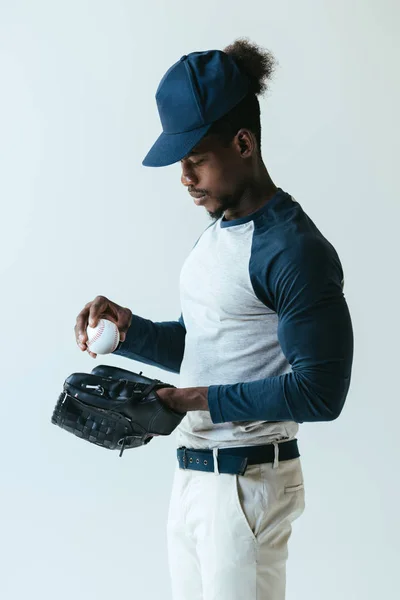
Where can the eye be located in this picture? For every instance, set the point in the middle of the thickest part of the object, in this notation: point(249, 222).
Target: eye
point(194, 164)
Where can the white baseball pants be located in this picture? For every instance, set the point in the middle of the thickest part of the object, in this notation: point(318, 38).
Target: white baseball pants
point(228, 534)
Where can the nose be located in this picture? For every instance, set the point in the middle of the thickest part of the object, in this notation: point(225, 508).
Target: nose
point(187, 177)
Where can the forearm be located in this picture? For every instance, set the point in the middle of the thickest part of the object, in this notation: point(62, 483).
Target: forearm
point(319, 348)
point(246, 401)
point(184, 399)
point(289, 397)
point(159, 344)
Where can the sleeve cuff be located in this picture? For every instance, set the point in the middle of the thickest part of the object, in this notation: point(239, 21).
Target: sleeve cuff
point(214, 404)
point(117, 348)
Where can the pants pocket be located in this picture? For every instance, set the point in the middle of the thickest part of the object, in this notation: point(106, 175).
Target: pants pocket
point(293, 488)
point(295, 496)
point(248, 497)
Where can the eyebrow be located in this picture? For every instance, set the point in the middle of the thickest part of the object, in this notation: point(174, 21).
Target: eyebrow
point(193, 153)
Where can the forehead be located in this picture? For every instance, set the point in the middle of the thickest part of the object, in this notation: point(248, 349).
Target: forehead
point(207, 144)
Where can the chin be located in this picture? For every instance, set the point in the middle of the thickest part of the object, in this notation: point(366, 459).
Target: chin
point(216, 213)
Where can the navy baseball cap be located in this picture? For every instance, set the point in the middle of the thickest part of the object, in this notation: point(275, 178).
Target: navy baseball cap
point(197, 90)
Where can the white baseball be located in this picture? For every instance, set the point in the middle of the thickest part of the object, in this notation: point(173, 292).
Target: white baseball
point(104, 338)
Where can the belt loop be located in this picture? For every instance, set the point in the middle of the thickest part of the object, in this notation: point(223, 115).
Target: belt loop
point(276, 455)
point(215, 457)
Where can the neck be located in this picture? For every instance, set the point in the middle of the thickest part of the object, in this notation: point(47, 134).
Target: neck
point(260, 190)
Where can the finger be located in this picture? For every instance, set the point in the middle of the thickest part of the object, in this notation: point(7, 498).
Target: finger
point(92, 354)
point(81, 345)
point(98, 306)
point(122, 336)
point(80, 326)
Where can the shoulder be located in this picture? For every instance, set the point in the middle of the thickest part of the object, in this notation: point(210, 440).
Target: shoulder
point(296, 266)
point(287, 233)
point(305, 249)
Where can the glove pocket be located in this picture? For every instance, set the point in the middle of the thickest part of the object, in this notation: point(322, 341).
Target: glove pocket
point(112, 372)
point(95, 390)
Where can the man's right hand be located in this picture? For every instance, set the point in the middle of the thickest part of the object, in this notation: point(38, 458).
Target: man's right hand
point(101, 308)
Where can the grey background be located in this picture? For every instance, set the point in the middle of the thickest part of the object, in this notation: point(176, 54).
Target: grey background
point(81, 217)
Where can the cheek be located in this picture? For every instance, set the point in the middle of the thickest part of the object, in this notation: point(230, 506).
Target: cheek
point(225, 184)
point(216, 181)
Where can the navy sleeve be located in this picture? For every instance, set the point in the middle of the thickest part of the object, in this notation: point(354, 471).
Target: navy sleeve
point(160, 344)
point(304, 285)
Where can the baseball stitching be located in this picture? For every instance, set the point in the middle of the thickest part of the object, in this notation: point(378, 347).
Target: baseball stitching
point(100, 331)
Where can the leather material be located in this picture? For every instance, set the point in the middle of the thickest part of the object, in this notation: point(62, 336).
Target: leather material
point(114, 408)
point(118, 373)
point(235, 460)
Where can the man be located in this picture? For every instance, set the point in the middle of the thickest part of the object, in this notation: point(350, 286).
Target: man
point(264, 340)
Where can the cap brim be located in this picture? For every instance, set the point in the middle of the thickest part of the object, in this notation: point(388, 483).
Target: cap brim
point(169, 148)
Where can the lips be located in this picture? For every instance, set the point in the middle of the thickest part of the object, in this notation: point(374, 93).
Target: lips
point(196, 195)
point(198, 198)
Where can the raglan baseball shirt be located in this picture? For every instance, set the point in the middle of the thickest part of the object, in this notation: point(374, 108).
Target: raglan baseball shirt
point(264, 325)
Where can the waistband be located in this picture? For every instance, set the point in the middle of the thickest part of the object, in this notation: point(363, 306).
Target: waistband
point(235, 460)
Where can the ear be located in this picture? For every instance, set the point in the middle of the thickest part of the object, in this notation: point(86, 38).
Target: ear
point(245, 143)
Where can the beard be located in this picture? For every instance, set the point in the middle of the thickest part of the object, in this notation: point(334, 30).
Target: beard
point(217, 212)
point(225, 202)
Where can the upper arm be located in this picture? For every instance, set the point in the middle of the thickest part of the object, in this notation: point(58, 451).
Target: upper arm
point(314, 324)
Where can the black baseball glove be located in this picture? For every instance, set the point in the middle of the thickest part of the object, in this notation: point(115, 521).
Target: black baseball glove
point(114, 408)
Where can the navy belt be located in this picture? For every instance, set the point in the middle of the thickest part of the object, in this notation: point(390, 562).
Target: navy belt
point(235, 460)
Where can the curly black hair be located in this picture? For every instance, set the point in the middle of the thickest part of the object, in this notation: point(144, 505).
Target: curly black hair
point(259, 65)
